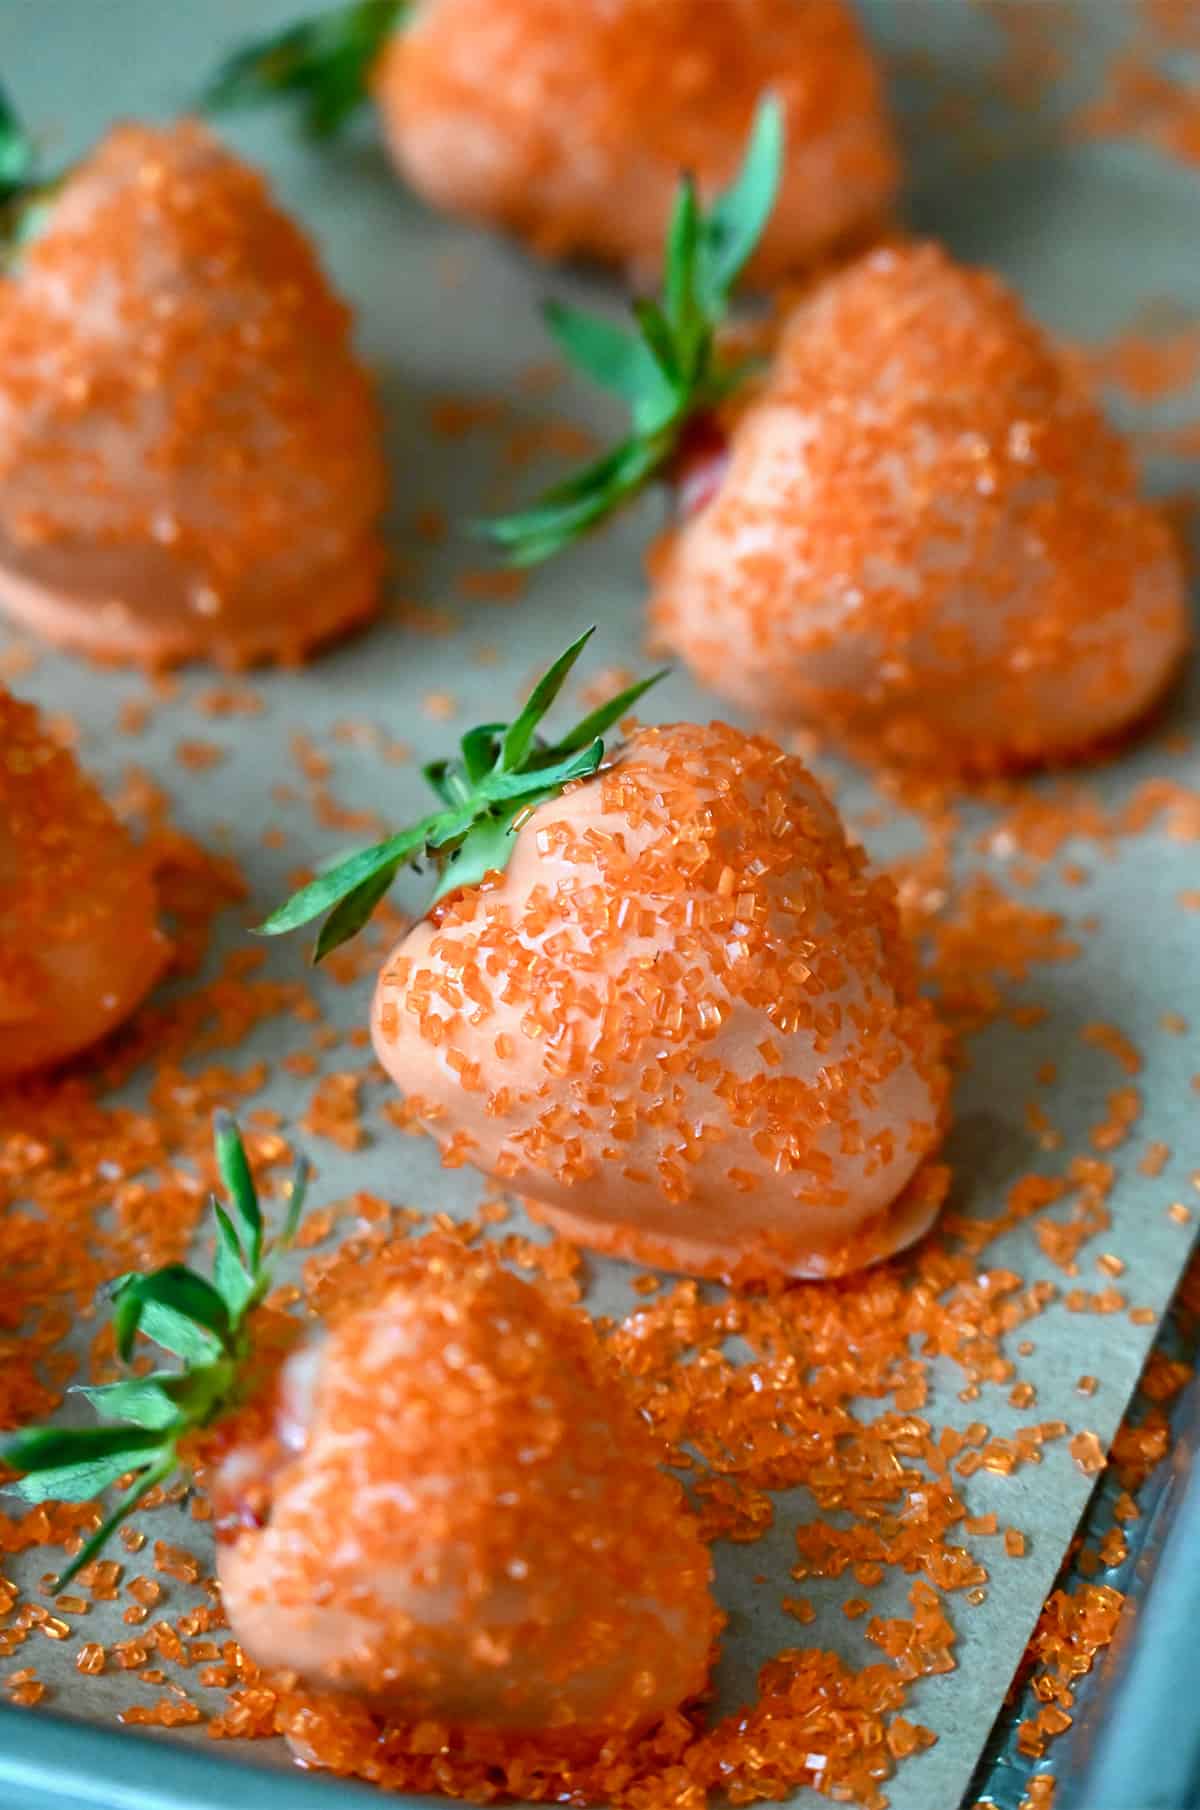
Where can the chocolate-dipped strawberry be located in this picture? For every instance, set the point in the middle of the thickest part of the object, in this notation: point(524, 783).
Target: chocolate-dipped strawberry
point(914, 529)
point(458, 1513)
point(80, 945)
point(443, 1501)
point(567, 124)
point(190, 460)
point(926, 538)
point(659, 994)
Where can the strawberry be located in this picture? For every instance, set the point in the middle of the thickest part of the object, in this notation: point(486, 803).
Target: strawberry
point(458, 1514)
point(659, 994)
point(926, 538)
point(568, 124)
point(190, 454)
point(445, 1502)
point(915, 529)
point(80, 944)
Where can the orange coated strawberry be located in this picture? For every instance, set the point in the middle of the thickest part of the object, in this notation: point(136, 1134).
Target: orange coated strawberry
point(658, 992)
point(79, 939)
point(456, 1513)
point(683, 1021)
point(190, 463)
point(569, 124)
point(923, 536)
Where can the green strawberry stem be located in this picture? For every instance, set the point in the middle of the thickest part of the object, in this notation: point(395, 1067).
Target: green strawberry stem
point(323, 64)
point(501, 771)
point(17, 153)
point(23, 192)
point(201, 1321)
point(159, 1472)
point(668, 368)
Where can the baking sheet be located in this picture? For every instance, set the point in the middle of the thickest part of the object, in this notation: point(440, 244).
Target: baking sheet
point(1126, 1745)
point(1088, 232)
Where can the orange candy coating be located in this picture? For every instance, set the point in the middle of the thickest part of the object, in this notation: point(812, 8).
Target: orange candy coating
point(190, 460)
point(464, 1518)
point(684, 1020)
point(79, 941)
point(927, 539)
point(569, 124)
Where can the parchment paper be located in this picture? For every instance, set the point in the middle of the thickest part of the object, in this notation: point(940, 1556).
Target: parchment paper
point(1087, 232)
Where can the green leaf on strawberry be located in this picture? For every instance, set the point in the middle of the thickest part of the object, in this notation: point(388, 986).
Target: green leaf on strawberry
point(500, 772)
point(323, 63)
point(25, 195)
point(204, 1322)
point(668, 367)
point(17, 154)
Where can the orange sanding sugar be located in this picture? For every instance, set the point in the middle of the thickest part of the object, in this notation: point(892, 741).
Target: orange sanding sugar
point(334, 1111)
point(1087, 1452)
point(1076, 1625)
point(229, 700)
point(489, 586)
point(1156, 356)
point(1155, 1158)
point(176, 1562)
point(439, 706)
point(1142, 98)
point(1041, 822)
point(197, 756)
point(1110, 1037)
point(24, 1687)
point(453, 417)
point(986, 940)
point(168, 1712)
point(815, 1722)
point(564, 440)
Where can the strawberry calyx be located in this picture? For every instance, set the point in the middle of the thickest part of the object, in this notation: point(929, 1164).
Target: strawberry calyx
point(323, 64)
point(205, 1322)
point(24, 192)
point(501, 771)
point(668, 368)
